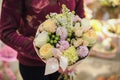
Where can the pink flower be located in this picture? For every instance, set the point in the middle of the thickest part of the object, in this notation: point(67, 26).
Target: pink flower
point(8, 54)
point(1, 75)
point(82, 51)
point(62, 45)
point(10, 74)
point(56, 52)
point(62, 32)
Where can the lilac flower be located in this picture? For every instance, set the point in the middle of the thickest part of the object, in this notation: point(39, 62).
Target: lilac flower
point(76, 18)
point(62, 32)
point(82, 51)
point(62, 45)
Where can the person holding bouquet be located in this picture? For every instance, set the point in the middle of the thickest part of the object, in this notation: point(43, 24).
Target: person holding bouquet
point(18, 25)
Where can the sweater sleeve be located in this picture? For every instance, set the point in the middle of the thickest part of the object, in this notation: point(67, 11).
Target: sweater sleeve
point(11, 14)
point(80, 8)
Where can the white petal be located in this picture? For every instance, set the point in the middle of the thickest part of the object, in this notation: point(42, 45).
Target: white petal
point(63, 63)
point(51, 66)
point(41, 39)
point(85, 24)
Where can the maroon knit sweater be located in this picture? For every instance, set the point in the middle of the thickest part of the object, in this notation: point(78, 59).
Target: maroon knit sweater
point(20, 20)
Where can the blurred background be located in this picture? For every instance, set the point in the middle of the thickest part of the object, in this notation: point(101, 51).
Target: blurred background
point(103, 62)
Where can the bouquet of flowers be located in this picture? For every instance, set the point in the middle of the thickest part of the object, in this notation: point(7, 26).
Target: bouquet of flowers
point(111, 3)
point(63, 40)
point(112, 28)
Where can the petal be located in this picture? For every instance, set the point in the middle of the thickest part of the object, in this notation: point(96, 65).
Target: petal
point(63, 63)
point(56, 52)
point(51, 66)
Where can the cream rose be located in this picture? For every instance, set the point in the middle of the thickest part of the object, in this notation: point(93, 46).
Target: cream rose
point(41, 39)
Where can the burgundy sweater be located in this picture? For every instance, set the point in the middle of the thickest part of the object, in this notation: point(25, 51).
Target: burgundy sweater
point(20, 20)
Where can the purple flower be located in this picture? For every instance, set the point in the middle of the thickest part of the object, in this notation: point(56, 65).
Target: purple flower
point(82, 51)
point(62, 45)
point(76, 18)
point(62, 32)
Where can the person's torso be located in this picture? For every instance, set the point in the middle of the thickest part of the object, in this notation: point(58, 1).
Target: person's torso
point(33, 17)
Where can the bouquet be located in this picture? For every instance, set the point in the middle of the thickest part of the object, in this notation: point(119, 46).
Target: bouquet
point(111, 3)
point(112, 28)
point(63, 40)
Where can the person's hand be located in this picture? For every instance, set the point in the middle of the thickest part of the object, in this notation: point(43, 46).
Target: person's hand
point(69, 69)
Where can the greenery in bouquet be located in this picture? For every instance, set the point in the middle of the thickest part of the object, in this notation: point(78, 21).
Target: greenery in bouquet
point(63, 40)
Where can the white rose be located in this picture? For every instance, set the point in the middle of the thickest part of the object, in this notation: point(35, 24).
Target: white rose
point(41, 39)
point(78, 31)
point(85, 25)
